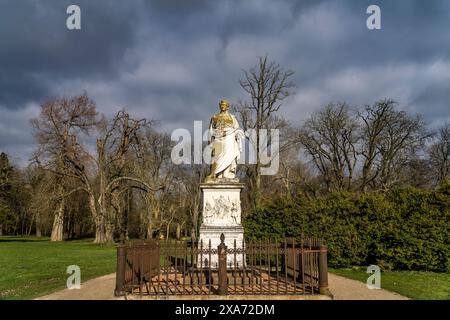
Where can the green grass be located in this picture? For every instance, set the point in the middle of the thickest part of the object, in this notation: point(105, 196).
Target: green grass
point(411, 284)
point(32, 267)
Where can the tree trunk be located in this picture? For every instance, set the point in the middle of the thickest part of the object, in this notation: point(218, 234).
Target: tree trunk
point(178, 236)
point(150, 230)
point(100, 232)
point(58, 223)
point(257, 191)
point(193, 234)
point(150, 217)
point(38, 226)
point(168, 230)
point(287, 185)
point(31, 226)
point(99, 221)
point(194, 229)
point(109, 232)
point(1, 229)
point(107, 223)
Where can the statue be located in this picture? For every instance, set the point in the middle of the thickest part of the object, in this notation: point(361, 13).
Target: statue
point(221, 190)
point(225, 137)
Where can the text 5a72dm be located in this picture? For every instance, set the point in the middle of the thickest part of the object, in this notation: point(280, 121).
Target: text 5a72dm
point(224, 309)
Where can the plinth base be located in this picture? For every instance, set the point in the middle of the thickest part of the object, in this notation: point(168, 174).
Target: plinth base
point(233, 236)
point(221, 214)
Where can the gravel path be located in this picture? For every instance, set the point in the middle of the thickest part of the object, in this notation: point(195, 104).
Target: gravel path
point(102, 288)
point(348, 289)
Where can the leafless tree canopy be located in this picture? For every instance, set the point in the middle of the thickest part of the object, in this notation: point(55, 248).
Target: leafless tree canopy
point(329, 138)
point(440, 154)
point(368, 149)
point(266, 86)
point(391, 140)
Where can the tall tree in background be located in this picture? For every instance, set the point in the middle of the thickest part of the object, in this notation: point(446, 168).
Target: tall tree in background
point(154, 166)
point(112, 164)
point(111, 170)
point(267, 85)
point(330, 139)
point(191, 179)
point(58, 128)
point(390, 141)
point(6, 171)
point(439, 153)
point(374, 120)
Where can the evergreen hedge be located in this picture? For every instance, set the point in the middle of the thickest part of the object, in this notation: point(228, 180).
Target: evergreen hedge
point(405, 229)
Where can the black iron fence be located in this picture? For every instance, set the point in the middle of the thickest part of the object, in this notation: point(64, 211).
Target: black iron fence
point(254, 267)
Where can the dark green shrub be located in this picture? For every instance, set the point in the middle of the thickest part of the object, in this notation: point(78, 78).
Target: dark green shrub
point(405, 229)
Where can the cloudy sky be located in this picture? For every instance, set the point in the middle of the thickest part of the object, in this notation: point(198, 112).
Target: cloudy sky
point(174, 60)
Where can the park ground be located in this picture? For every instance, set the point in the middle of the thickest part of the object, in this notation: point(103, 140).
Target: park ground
point(34, 267)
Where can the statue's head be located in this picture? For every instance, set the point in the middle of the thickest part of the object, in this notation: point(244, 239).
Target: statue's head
point(224, 105)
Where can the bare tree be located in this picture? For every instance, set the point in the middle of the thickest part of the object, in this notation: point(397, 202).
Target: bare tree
point(41, 184)
point(329, 138)
point(267, 85)
point(191, 179)
point(154, 166)
point(390, 140)
point(374, 119)
point(57, 127)
point(6, 171)
point(439, 153)
point(58, 130)
point(116, 151)
point(293, 175)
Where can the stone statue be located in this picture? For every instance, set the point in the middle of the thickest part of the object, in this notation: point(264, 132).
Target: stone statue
point(221, 190)
point(225, 137)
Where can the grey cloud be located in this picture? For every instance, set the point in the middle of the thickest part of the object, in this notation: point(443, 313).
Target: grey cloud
point(433, 102)
point(38, 50)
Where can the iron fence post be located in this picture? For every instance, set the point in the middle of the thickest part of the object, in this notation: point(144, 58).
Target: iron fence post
point(222, 252)
point(120, 272)
point(323, 270)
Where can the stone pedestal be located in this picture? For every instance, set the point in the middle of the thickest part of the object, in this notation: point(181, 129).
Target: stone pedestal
point(222, 214)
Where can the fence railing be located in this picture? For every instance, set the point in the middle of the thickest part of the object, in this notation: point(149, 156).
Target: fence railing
point(137, 264)
point(251, 267)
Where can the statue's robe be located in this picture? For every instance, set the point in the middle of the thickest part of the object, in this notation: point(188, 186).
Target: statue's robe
point(226, 144)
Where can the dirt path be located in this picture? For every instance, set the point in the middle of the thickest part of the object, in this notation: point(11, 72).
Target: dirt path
point(347, 289)
point(102, 288)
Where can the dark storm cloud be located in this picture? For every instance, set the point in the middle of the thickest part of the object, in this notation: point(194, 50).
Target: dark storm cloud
point(37, 49)
point(434, 102)
point(173, 60)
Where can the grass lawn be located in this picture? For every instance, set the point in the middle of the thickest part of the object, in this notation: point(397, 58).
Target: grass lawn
point(412, 284)
point(32, 267)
